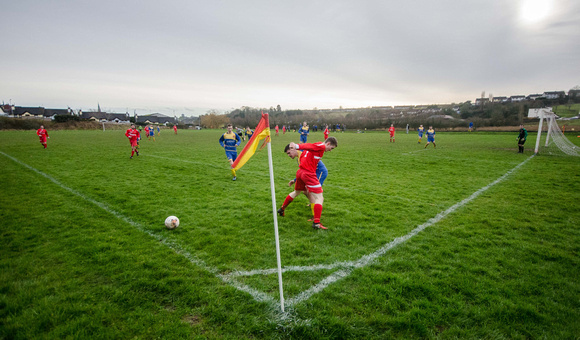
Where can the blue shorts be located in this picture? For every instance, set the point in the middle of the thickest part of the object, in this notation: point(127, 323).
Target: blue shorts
point(232, 155)
point(321, 174)
point(303, 138)
point(430, 139)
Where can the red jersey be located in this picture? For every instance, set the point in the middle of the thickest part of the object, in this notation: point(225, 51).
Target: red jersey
point(312, 154)
point(325, 133)
point(276, 128)
point(392, 130)
point(42, 133)
point(132, 134)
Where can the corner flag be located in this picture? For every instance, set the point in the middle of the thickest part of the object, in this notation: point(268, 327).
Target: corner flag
point(263, 132)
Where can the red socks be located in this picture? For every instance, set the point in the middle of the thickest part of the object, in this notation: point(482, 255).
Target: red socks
point(287, 201)
point(317, 212)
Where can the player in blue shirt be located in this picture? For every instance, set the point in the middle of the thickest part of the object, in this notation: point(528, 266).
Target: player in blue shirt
point(249, 132)
point(420, 132)
point(229, 141)
point(304, 131)
point(430, 137)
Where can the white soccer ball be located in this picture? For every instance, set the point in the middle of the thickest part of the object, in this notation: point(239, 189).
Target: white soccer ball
point(172, 222)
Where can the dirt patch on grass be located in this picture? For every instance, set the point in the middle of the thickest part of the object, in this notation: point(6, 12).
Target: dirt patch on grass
point(192, 320)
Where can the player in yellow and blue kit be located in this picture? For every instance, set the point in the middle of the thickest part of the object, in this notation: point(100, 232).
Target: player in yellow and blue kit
point(430, 137)
point(229, 141)
point(420, 132)
point(249, 132)
point(304, 131)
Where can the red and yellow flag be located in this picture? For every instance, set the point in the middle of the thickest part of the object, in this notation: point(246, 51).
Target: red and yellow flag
point(262, 132)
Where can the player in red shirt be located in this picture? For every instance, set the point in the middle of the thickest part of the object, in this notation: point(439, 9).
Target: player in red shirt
point(43, 135)
point(392, 133)
point(277, 129)
point(306, 179)
point(326, 133)
point(134, 136)
point(175, 128)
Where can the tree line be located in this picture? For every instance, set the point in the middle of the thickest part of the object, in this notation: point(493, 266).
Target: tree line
point(440, 116)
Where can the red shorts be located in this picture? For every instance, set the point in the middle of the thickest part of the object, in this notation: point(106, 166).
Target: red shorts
point(133, 142)
point(307, 181)
point(392, 134)
point(43, 140)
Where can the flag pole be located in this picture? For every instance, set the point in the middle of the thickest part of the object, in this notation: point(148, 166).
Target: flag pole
point(275, 225)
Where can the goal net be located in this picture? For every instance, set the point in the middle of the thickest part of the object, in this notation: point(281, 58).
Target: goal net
point(555, 141)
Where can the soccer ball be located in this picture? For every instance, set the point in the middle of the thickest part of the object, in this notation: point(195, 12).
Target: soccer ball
point(172, 222)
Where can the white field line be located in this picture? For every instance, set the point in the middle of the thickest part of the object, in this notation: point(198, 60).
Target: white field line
point(349, 266)
point(257, 295)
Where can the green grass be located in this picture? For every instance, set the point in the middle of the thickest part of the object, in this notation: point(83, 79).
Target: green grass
point(84, 253)
point(567, 110)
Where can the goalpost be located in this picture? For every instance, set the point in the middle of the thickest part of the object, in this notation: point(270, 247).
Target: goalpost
point(554, 136)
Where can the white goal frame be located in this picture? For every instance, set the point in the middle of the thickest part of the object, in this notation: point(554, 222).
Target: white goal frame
point(558, 138)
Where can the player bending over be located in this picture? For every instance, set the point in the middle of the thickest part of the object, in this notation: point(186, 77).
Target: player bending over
point(306, 179)
point(321, 174)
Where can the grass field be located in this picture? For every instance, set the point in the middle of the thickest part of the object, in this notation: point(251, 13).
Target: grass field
point(468, 240)
point(567, 110)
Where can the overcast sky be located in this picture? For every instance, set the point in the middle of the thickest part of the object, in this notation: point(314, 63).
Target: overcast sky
point(190, 56)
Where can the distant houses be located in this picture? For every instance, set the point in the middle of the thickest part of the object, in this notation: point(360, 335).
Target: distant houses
point(519, 98)
point(33, 112)
point(480, 101)
point(104, 117)
point(156, 118)
point(97, 116)
point(555, 94)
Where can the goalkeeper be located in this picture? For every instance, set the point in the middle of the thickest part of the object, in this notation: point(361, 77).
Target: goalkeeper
point(522, 138)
